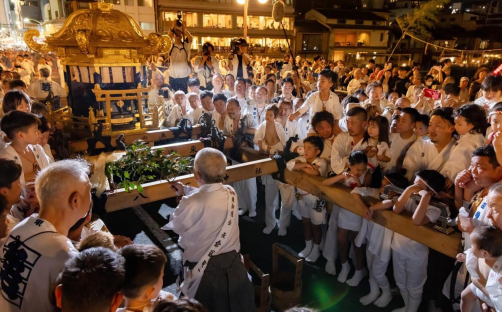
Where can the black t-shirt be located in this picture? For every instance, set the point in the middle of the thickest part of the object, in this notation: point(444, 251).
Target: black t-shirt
point(400, 85)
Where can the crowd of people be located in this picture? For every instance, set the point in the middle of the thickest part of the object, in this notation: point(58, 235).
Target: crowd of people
point(433, 138)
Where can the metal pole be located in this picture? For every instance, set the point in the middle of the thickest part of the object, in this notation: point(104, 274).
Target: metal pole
point(245, 21)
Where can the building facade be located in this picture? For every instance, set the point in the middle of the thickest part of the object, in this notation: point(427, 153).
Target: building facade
point(218, 21)
point(356, 36)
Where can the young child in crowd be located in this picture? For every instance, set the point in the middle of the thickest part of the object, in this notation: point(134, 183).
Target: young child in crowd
point(43, 138)
point(196, 110)
point(98, 239)
point(377, 136)
point(480, 259)
point(270, 135)
point(422, 127)
point(495, 120)
point(311, 208)
point(22, 129)
point(179, 110)
point(410, 257)
point(470, 125)
point(491, 89)
point(322, 100)
point(349, 223)
point(39, 109)
point(377, 239)
point(144, 267)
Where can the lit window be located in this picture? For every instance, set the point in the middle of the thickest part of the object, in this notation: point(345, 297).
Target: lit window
point(129, 2)
point(145, 3)
point(147, 26)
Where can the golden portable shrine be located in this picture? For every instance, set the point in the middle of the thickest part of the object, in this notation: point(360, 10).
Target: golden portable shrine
point(103, 52)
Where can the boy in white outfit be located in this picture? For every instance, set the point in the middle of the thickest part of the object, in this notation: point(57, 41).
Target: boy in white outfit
point(270, 135)
point(408, 256)
point(312, 209)
point(480, 259)
point(377, 238)
point(271, 139)
point(349, 223)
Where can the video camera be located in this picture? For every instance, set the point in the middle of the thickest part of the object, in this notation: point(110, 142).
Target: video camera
point(236, 43)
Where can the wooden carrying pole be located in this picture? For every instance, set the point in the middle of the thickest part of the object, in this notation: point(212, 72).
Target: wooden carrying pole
point(160, 190)
point(402, 224)
point(149, 136)
point(340, 195)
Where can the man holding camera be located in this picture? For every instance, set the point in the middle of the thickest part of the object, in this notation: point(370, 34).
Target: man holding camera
point(179, 70)
point(206, 66)
point(238, 59)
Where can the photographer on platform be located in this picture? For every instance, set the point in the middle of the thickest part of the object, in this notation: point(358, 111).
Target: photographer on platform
point(179, 70)
point(206, 66)
point(238, 59)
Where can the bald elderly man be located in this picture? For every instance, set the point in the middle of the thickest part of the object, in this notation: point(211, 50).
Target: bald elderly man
point(37, 248)
point(207, 223)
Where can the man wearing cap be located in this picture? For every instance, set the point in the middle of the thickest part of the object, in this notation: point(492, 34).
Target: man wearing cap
point(464, 90)
point(179, 69)
point(238, 62)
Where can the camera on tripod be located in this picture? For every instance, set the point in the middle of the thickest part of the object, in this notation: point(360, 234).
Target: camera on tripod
point(179, 21)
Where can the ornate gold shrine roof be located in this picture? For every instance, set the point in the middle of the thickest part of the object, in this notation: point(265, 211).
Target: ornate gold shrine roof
point(100, 36)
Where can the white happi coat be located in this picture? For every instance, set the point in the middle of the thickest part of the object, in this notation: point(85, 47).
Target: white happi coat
point(243, 103)
point(261, 131)
point(398, 148)
point(423, 154)
point(198, 220)
point(42, 159)
point(176, 115)
point(249, 122)
point(292, 129)
point(487, 104)
point(493, 284)
point(461, 154)
point(46, 255)
point(341, 150)
point(194, 115)
point(257, 113)
point(304, 124)
point(314, 104)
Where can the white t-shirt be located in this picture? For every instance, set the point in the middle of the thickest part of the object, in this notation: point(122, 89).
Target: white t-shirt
point(179, 56)
point(321, 164)
point(408, 247)
point(39, 260)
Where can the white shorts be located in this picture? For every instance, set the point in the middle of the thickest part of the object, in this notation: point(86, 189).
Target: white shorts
point(349, 221)
point(481, 295)
point(306, 207)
